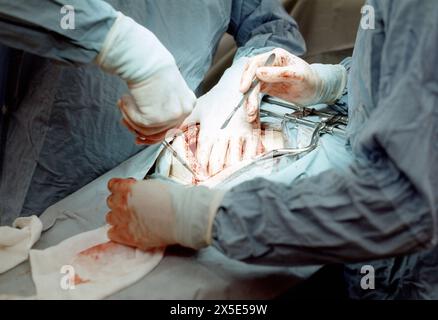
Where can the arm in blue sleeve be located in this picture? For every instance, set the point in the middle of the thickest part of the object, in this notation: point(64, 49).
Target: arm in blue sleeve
point(35, 26)
point(386, 204)
point(264, 23)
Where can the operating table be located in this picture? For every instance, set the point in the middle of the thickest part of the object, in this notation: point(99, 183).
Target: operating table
point(183, 273)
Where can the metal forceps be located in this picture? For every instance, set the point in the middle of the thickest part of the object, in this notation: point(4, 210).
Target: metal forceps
point(303, 112)
point(180, 159)
point(328, 124)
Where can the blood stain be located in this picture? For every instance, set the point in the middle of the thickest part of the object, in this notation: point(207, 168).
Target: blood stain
point(78, 280)
point(96, 251)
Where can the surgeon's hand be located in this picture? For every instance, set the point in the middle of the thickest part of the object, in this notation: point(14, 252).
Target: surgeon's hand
point(151, 214)
point(160, 98)
point(293, 79)
point(240, 140)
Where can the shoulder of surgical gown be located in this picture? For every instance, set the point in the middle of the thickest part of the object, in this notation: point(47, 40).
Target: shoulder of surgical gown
point(35, 26)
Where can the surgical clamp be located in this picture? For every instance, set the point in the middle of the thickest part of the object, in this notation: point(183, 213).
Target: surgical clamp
point(334, 126)
point(302, 112)
point(328, 124)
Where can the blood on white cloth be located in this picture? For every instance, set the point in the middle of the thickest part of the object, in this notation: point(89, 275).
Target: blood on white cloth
point(16, 241)
point(89, 266)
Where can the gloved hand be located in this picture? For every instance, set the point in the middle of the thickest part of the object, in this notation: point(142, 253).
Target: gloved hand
point(294, 80)
point(240, 140)
point(151, 214)
point(161, 97)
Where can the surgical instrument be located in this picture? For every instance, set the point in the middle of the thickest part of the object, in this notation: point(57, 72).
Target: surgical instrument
point(335, 126)
point(254, 83)
point(329, 124)
point(301, 112)
point(169, 147)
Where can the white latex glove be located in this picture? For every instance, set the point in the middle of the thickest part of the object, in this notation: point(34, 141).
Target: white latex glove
point(151, 214)
point(161, 97)
point(240, 140)
point(294, 80)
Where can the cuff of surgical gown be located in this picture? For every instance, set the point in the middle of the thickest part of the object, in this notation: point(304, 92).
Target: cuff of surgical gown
point(341, 105)
point(238, 220)
point(251, 52)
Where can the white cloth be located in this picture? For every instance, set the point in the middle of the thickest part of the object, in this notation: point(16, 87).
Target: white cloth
point(88, 266)
point(16, 241)
point(206, 274)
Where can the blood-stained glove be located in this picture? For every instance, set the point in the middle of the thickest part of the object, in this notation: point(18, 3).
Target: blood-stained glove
point(219, 148)
point(294, 80)
point(161, 99)
point(152, 214)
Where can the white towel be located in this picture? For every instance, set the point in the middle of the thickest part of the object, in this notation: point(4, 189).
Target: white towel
point(89, 266)
point(16, 241)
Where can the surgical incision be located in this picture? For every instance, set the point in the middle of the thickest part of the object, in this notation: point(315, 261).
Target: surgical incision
point(186, 145)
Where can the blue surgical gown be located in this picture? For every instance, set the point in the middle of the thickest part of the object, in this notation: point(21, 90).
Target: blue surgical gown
point(65, 129)
point(385, 204)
